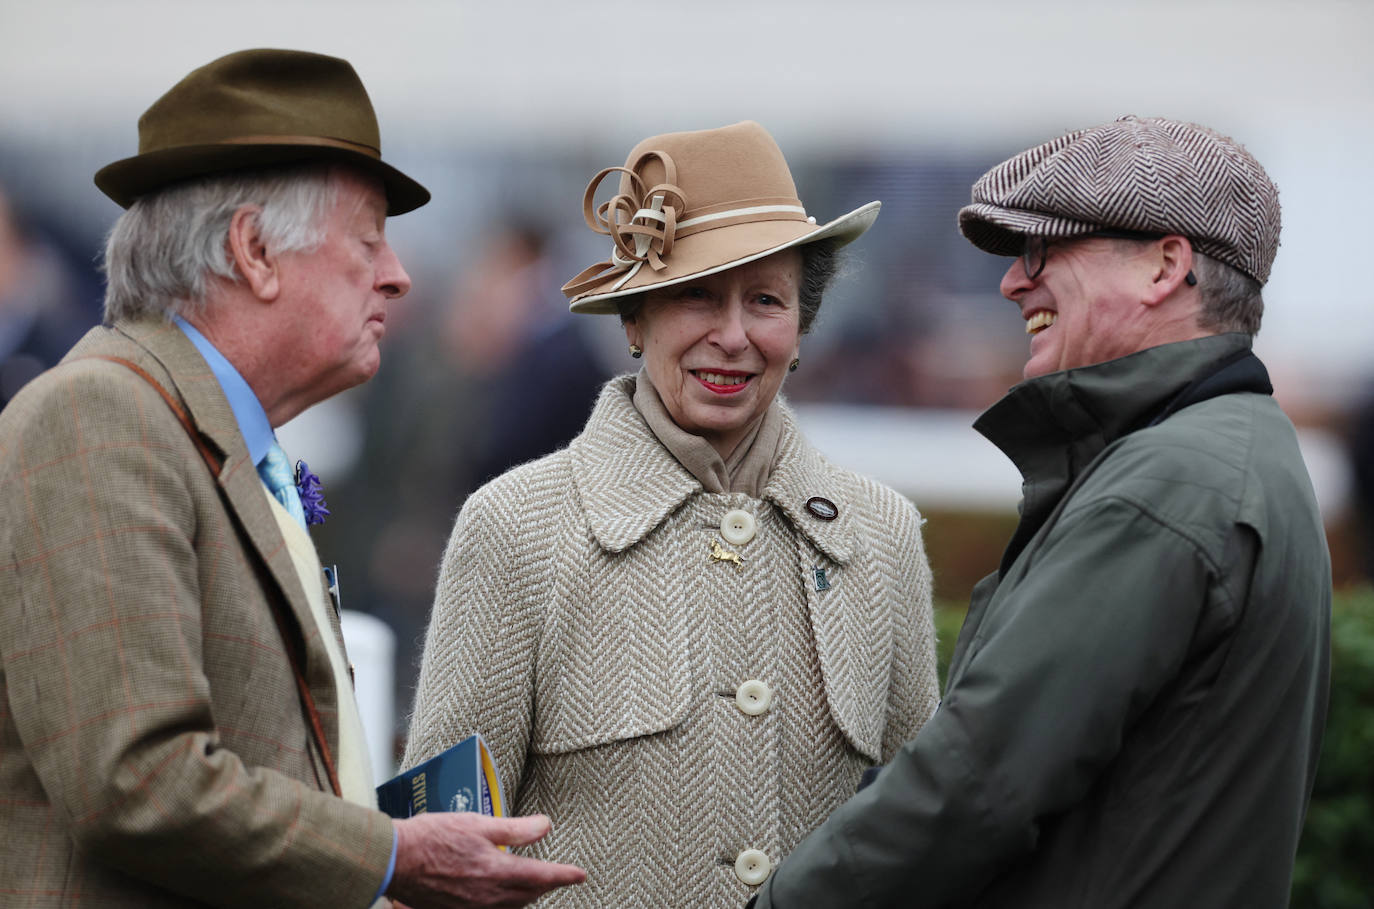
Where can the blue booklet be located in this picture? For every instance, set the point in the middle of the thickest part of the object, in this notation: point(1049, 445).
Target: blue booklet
point(463, 778)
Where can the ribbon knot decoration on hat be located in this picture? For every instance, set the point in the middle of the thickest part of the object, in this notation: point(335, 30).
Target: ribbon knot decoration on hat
point(642, 228)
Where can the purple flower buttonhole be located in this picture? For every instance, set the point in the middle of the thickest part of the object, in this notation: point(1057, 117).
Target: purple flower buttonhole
point(312, 494)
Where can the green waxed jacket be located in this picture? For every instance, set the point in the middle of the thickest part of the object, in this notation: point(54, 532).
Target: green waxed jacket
point(1135, 703)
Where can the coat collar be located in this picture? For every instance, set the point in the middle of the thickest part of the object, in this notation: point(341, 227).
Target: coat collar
point(243, 401)
point(629, 483)
point(1054, 426)
point(192, 380)
point(1079, 412)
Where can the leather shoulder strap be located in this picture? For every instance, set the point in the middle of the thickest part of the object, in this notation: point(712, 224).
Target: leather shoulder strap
point(212, 460)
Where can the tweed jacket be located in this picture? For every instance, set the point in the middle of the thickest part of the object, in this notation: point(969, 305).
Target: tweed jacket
point(581, 625)
point(153, 750)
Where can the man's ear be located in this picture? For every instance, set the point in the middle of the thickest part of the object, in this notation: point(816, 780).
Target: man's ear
point(250, 254)
point(1172, 268)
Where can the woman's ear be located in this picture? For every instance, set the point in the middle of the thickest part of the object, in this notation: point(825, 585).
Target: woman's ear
point(250, 254)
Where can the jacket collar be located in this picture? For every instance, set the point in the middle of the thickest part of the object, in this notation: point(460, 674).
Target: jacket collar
point(1079, 412)
point(193, 380)
point(248, 411)
point(629, 483)
point(1052, 427)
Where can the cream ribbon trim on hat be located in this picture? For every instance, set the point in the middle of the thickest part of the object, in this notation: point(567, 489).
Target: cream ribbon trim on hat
point(736, 212)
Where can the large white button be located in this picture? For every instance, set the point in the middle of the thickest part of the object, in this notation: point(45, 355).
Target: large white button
point(754, 697)
point(753, 867)
point(737, 527)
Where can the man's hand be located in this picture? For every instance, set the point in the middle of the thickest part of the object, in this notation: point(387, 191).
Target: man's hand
point(449, 860)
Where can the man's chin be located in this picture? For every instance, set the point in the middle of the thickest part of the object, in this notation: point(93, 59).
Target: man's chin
point(344, 379)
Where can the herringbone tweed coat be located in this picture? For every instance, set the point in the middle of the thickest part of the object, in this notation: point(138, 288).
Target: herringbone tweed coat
point(153, 750)
point(581, 626)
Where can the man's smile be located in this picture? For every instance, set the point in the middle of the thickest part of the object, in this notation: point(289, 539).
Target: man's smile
point(1040, 320)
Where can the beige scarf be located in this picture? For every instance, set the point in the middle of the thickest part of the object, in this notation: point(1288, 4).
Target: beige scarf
point(749, 466)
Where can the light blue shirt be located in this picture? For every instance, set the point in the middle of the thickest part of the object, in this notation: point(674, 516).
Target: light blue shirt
point(258, 436)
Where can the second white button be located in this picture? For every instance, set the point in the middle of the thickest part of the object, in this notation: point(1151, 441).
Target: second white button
point(754, 697)
point(737, 527)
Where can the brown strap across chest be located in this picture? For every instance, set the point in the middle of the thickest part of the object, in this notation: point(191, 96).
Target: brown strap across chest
point(216, 464)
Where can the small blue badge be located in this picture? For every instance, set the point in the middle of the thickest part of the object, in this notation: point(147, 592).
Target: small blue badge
point(331, 578)
point(822, 582)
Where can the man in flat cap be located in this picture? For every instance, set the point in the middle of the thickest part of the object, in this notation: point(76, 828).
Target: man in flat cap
point(177, 722)
point(1135, 703)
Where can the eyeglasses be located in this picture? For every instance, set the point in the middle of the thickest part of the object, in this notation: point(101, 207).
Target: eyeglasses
point(1033, 256)
point(1036, 250)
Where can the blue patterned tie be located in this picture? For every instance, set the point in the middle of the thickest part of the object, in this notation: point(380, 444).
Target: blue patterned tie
point(275, 470)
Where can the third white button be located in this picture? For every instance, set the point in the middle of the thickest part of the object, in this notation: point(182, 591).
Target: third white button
point(752, 866)
point(737, 527)
point(754, 697)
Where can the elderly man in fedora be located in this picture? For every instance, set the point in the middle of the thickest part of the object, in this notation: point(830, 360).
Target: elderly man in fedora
point(177, 723)
point(1134, 706)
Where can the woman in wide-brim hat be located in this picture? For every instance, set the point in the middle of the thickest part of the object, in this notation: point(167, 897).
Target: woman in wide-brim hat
point(686, 635)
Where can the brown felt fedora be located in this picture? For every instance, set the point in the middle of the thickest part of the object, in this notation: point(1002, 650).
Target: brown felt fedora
point(258, 108)
point(696, 203)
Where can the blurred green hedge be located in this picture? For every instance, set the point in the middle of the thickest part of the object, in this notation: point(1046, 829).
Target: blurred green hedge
point(1335, 866)
point(949, 618)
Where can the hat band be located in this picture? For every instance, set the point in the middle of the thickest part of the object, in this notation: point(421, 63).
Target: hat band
point(323, 141)
point(601, 271)
point(705, 222)
point(739, 216)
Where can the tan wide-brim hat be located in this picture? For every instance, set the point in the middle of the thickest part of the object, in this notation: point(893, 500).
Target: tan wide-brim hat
point(258, 108)
point(695, 203)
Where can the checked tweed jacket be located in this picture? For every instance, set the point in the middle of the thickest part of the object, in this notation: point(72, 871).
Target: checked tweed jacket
point(581, 626)
point(153, 750)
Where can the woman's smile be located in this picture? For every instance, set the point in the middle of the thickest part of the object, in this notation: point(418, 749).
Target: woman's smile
point(723, 381)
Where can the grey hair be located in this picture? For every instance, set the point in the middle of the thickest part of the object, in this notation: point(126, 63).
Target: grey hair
point(1231, 299)
point(820, 264)
point(162, 252)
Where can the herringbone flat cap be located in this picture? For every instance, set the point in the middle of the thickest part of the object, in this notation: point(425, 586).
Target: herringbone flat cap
point(1138, 173)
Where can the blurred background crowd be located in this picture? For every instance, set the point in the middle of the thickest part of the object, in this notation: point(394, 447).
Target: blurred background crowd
point(506, 110)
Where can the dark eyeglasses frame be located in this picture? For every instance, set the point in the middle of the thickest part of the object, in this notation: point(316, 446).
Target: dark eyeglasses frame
point(1037, 249)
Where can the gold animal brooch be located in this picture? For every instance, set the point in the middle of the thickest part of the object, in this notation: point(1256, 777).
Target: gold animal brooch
point(720, 554)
